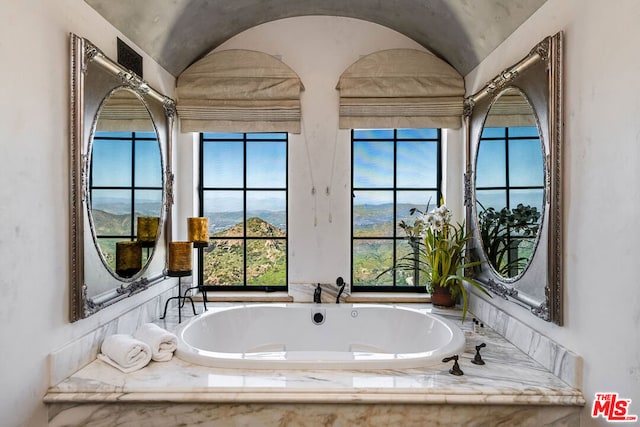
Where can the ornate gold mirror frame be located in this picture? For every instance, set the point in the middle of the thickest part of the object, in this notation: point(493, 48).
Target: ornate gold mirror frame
point(94, 78)
point(539, 77)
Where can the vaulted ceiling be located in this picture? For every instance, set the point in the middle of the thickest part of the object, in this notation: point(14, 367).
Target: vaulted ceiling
point(178, 32)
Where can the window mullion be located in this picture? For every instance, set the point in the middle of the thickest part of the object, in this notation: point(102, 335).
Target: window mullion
point(395, 205)
point(133, 184)
point(244, 210)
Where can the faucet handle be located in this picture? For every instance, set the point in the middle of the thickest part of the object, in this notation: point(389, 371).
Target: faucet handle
point(455, 369)
point(477, 360)
point(317, 298)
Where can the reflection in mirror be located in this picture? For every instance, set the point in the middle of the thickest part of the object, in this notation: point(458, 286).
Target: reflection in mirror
point(125, 184)
point(513, 189)
point(509, 185)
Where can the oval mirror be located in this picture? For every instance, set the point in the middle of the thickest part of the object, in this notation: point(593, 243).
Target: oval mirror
point(125, 184)
point(510, 184)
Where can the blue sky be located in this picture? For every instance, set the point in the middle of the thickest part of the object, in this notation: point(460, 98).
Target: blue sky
point(266, 165)
point(112, 160)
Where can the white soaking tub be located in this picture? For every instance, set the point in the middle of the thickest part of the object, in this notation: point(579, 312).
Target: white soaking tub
point(318, 336)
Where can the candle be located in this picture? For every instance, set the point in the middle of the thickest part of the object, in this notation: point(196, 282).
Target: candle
point(180, 257)
point(128, 258)
point(198, 231)
point(148, 230)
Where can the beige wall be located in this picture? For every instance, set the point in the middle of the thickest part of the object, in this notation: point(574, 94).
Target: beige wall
point(34, 231)
point(601, 186)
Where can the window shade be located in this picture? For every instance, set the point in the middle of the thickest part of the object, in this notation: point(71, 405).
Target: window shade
point(124, 112)
point(510, 110)
point(400, 88)
point(239, 91)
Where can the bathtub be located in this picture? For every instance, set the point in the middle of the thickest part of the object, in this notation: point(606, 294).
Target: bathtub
point(318, 336)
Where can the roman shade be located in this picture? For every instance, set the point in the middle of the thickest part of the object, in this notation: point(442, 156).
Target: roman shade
point(239, 91)
point(510, 110)
point(400, 88)
point(124, 112)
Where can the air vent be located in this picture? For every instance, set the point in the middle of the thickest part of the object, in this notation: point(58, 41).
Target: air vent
point(129, 58)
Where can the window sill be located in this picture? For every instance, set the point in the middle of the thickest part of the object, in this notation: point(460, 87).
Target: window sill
point(284, 297)
point(245, 297)
point(387, 297)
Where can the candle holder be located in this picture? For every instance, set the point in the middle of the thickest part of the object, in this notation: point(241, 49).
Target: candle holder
point(180, 266)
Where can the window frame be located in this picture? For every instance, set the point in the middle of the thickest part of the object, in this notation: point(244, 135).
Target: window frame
point(395, 238)
point(246, 137)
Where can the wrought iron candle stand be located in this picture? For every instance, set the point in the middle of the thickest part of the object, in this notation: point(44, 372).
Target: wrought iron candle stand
point(199, 246)
point(181, 298)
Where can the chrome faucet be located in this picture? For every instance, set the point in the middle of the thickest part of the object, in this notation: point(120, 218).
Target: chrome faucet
point(340, 283)
point(317, 294)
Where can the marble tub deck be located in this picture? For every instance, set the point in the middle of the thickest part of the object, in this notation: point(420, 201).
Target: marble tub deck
point(510, 387)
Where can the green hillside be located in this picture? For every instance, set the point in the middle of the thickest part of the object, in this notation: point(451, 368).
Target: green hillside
point(266, 258)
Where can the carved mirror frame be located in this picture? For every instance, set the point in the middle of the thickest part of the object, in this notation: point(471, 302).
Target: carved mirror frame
point(539, 77)
point(93, 78)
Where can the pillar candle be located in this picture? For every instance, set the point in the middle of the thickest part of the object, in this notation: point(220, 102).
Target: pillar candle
point(180, 256)
point(148, 230)
point(128, 258)
point(198, 231)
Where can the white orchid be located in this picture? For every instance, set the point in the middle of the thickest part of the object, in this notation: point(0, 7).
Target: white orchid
point(444, 212)
point(438, 218)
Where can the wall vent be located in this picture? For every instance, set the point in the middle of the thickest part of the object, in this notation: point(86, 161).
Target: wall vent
point(129, 58)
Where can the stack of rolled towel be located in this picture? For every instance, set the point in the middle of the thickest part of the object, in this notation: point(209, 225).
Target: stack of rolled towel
point(132, 352)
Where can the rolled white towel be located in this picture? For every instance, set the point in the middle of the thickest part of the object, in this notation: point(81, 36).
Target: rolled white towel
point(125, 352)
point(162, 342)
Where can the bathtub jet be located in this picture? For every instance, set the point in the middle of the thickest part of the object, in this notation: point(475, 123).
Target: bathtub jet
point(303, 336)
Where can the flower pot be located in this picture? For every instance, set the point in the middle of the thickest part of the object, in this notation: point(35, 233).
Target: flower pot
point(441, 296)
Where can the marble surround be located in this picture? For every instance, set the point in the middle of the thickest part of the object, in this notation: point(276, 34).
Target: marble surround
point(511, 387)
point(83, 350)
point(560, 361)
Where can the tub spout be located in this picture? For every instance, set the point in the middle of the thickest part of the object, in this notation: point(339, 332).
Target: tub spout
point(340, 283)
point(317, 294)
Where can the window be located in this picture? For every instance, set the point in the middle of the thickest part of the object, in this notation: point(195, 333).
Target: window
point(243, 192)
point(393, 170)
point(125, 182)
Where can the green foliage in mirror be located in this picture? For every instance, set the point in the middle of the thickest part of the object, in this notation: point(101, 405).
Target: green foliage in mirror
point(508, 237)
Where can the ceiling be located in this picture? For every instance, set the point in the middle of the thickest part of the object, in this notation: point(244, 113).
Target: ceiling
point(176, 33)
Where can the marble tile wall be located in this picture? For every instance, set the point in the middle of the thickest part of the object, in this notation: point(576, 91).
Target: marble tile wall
point(562, 362)
point(82, 351)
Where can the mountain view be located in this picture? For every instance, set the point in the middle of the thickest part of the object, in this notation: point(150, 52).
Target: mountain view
point(266, 258)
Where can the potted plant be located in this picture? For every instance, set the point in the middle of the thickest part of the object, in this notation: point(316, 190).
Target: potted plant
point(441, 256)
